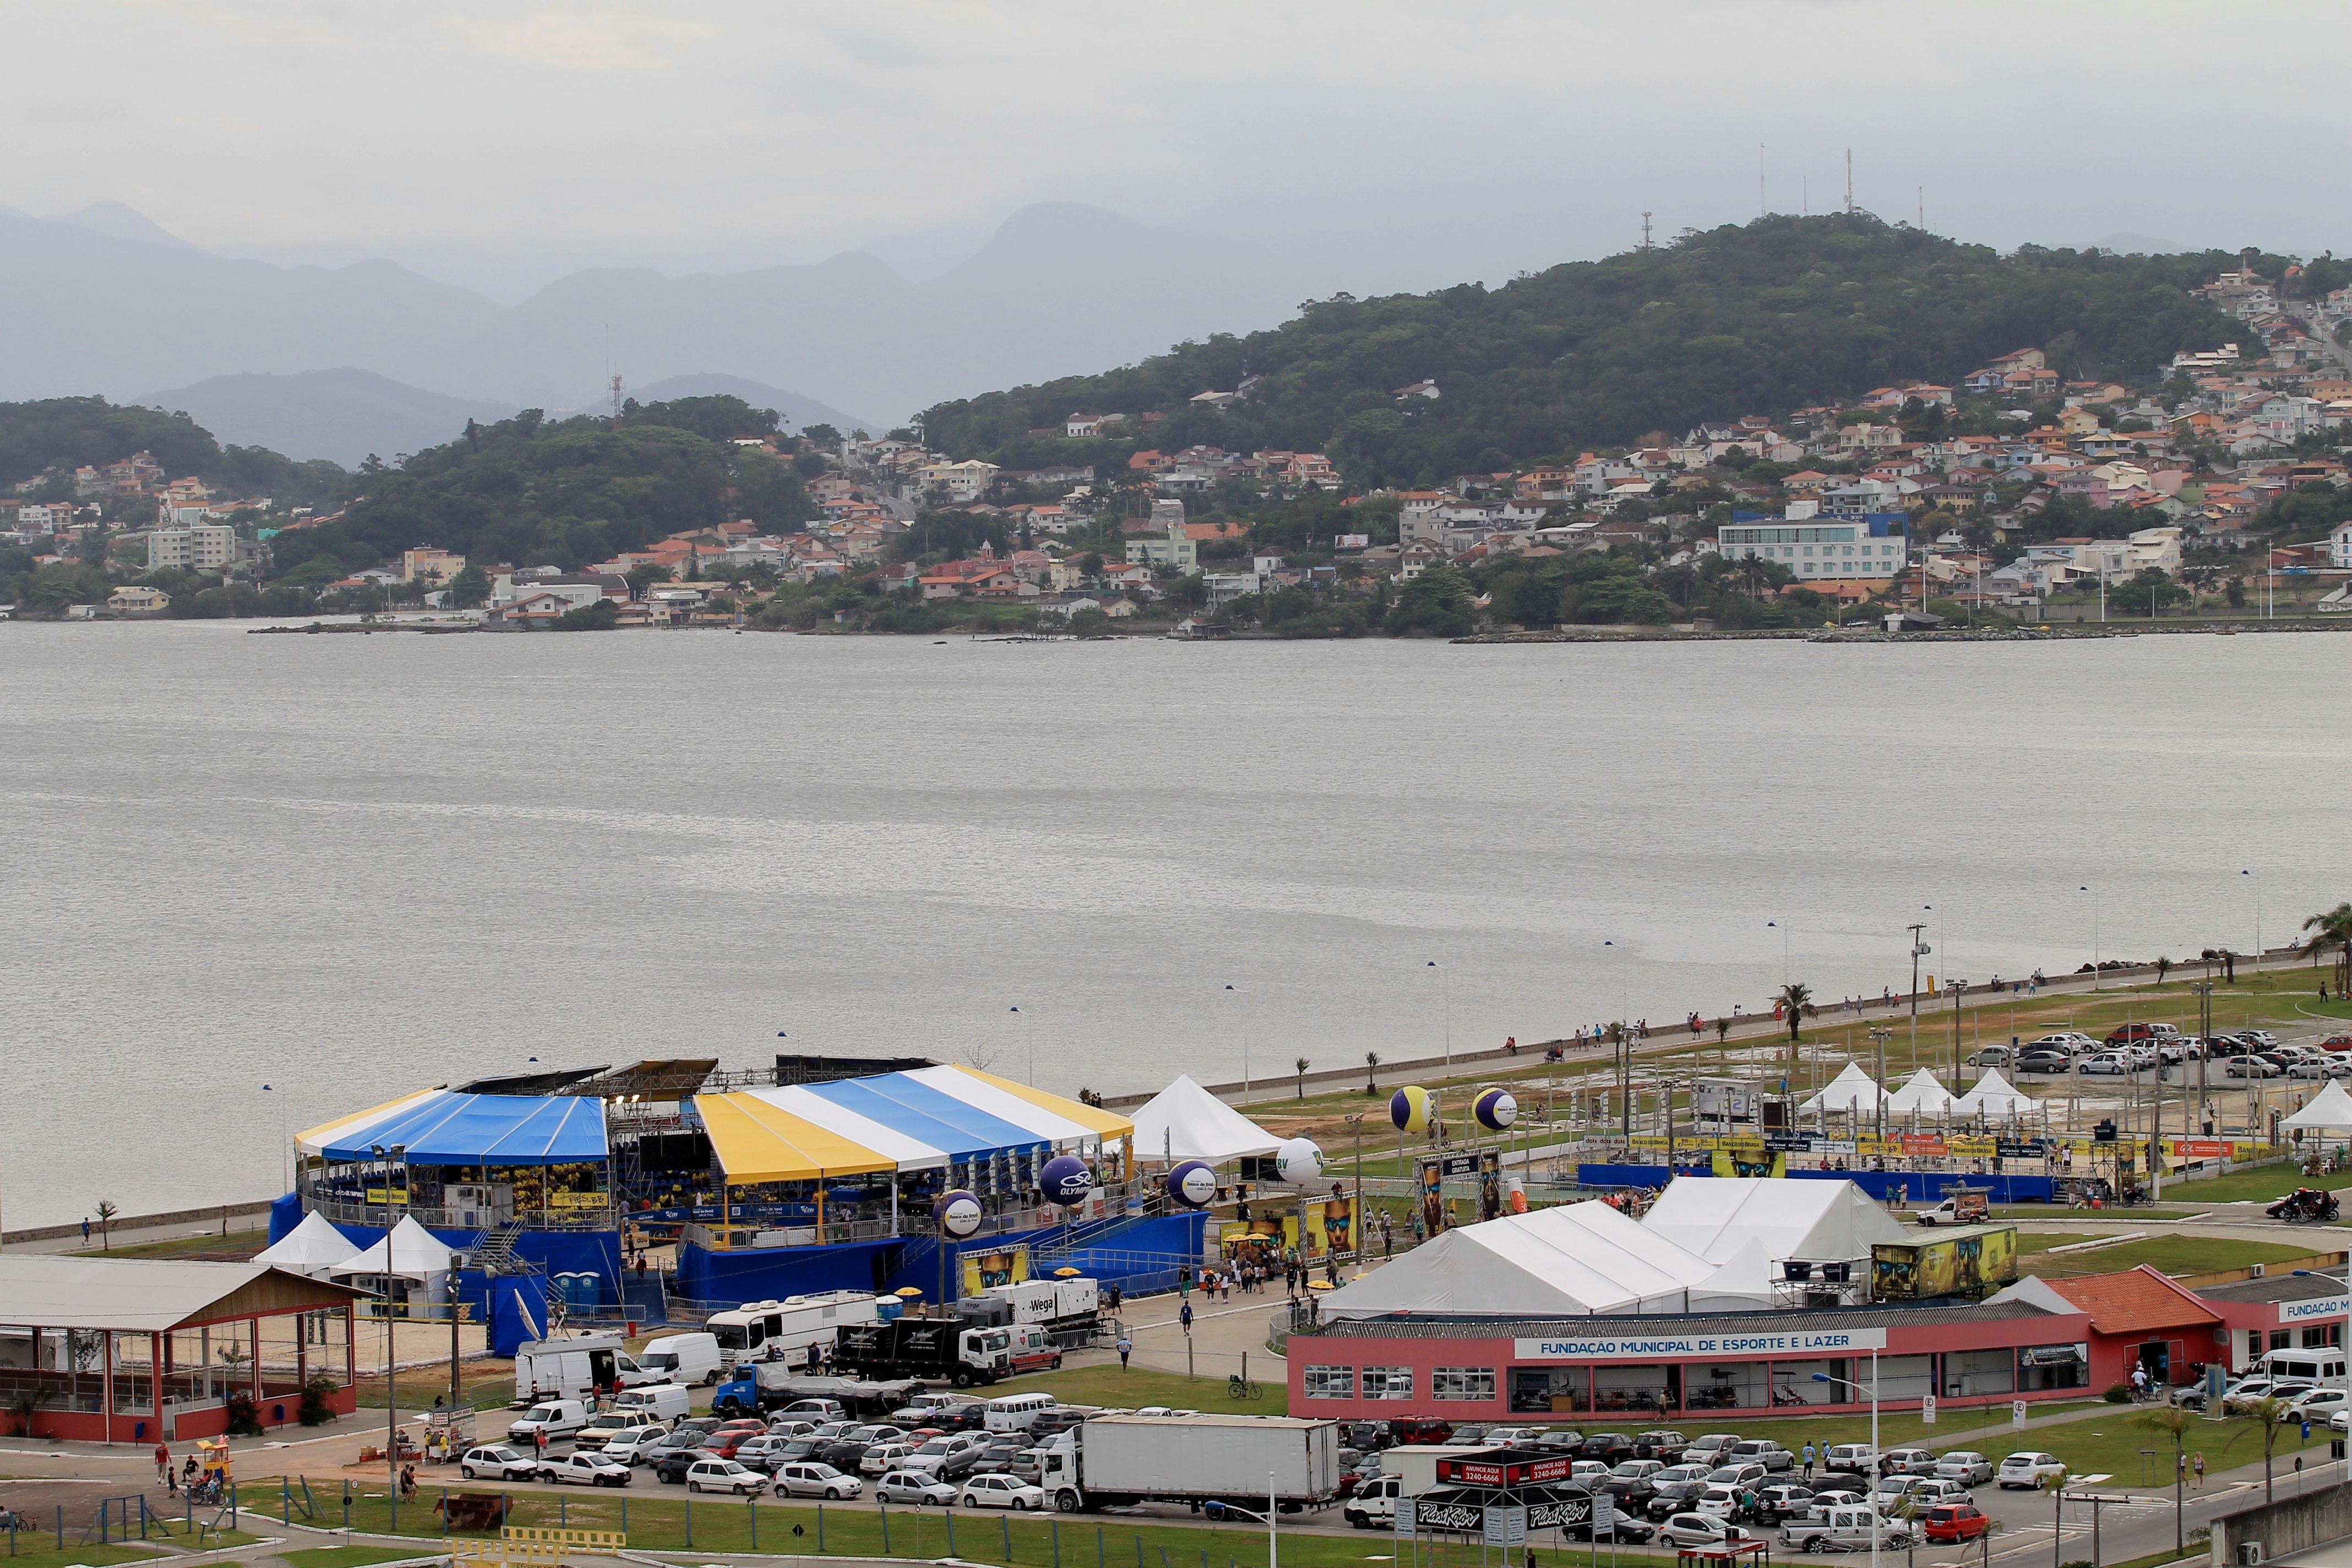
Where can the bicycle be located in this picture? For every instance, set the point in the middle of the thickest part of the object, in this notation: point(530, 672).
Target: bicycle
point(1240, 1387)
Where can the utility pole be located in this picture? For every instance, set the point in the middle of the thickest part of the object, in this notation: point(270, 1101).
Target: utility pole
point(1957, 986)
point(1645, 230)
point(1849, 181)
point(1878, 1038)
point(1918, 951)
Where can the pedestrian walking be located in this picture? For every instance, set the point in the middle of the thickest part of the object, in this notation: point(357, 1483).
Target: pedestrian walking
point(1115, 1297)
point(1184, 1316)
point(1809, 1461)
point(163, 1463)
point(539, 1441)
point(1126, 1349)
point(2198, 1466)
point(85, 1230)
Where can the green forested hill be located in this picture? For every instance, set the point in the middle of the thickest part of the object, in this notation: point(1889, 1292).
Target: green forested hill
point(1780, 313)
point(566, 493)
point(63, 434)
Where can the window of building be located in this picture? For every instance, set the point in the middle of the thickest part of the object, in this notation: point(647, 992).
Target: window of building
point(1792, 1382)
point(2052, 1366)
point(1971, 1372)
point(1462, 1383)
point(1387, 1382)
point(1330, 1383)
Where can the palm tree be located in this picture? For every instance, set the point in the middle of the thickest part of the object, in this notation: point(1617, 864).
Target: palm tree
point(2266, 1412)
point(1371, 1067)
point(106, 1210)
point(2333, 929)
point(2174, 1422)
point(1722, 1030)
point(1796, 997)
point(2163, 968)
point(1302, 1065)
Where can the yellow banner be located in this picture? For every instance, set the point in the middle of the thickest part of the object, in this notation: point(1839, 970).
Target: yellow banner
point(981, 1269)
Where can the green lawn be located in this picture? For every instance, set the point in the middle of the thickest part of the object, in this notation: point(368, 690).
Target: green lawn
point(1134, 1387)
point(345, 1557)
point(94, 1556)
point(2171, 1254)
point(2261, 1184)
point(242, 1243)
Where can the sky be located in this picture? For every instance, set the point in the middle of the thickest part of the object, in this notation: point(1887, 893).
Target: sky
point(1470, 136)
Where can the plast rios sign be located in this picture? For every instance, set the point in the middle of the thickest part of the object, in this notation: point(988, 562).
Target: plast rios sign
point(1504, 1469)
point(1684, 1347)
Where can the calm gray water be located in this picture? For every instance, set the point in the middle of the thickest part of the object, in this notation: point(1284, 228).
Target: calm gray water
point(349, 867)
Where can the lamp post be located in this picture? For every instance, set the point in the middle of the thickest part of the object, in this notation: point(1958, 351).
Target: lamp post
point(1245, 1067)
point(1919, 950)
point(1784, 948)
point(1029, 1041)
point(1445, 993)
point(2094, 934)
point(2249, 874)
point(285, 1162)
point(390, 1157)
point(1356, 1223)
point(1825, 1377)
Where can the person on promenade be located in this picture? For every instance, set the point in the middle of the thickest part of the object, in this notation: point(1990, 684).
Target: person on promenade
point(163, 1462)
point(1126, 1349)
point(1184, 1316)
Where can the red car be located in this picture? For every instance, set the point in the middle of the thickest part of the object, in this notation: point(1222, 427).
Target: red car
point(726, 1439)
point(2336, 1042)
point(1954, 1521)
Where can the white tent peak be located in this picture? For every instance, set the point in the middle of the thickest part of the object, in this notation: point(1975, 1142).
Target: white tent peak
point(2034, 1292)
point(1852, 1090)
point(2330, 1108)
point(1993, 1096)
point(1185, 1121)
point(416, 1253)
point(1815, 1221)
point(1743, 1278)
point(314, 1246)
point(1578, 1260)
point(1920, 1092)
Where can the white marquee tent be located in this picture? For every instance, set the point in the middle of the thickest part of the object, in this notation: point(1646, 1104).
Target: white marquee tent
point(2330, 1110)
point(312, 1248)
point(1852, 1090)
point(1920, 1095)
point(1185, 1121)
point(1718, 1217)
point(1575, 1260)
point(1995, 1096)
point(416, 1253)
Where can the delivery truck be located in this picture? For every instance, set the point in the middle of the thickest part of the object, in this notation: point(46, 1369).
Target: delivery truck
point(1061, 1306)
point(1969, 1260)
point(940, 1350)
point(575, 1369)
point(772, 1331)
point(1115, 1461)
point(771, 1385)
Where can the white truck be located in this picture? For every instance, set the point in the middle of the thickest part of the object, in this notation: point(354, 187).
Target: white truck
point(1060, 1306)
point(575, 1369)
point(1414, 1464)
point(1115, 1461)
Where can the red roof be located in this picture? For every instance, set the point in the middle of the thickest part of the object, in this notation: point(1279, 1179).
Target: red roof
point(2135, 1301)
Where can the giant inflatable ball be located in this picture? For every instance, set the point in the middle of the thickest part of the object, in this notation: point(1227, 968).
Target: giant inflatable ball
point(1297, 1162)
point(1495, 1109)
point(1410, 1108)
point(1193, 1184)
point(957, 1214)
point(1065, 1181)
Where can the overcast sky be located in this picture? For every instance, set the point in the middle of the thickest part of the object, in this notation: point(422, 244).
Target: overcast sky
point(775, 128)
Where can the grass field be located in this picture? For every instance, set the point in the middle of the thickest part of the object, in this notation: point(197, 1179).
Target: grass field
point(483, 1388)
point(237, 1243)
point(2169, 1254)
point(2259, 1186)
point(345, 1557)
point(1134, 1387)
point(93, 1556)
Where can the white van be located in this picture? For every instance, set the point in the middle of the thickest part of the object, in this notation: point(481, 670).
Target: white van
point(1015, 1412)
point(682, 1358)
point(2322, 1364)
point(662, 1402)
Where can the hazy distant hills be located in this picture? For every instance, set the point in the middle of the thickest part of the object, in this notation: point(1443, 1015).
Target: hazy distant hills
point(105, 302)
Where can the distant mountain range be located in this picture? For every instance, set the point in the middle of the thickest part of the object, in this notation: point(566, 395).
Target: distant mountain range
point(103, 301)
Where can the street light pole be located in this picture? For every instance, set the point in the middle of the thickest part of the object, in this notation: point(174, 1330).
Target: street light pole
point(1919, 950)
point(1445, 992)
point(1825, 1377)
point(390, 1157)
point(2094, 934)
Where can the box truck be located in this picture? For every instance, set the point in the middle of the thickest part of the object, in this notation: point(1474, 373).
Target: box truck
point(1967, 1260)
point(1060, 1306)
point(772, 1385)
point(760, 1330)
point(1114, 1461)
point(937, 1349)
point(576, 1369)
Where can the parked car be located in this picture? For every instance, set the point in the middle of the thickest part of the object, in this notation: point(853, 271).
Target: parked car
point(1588, 1474)
point(1924, 1490)
point(1622, 1528)
point(1708, 1448)
point(1991, 1056)
point(600, 1428)
point(2243, 1396)
point(2112, 1063)
point(1631, 1484)
point(1660, 1444)
point(818, 1409)
point(1836, 1497)
point(2251, 1066)
point(1672, 1498)
point(1785, 1500)
point(1762, 1451)
point(2053, 1062)
point(1718, 1503)
point(1849, 1460)
point(2026, 1470)
point(725, 1476)
point(916, 1486)
point(669, 1464)
point(810, 1480)
point(1609, 1447)
point(1968, 1468)
point(629, 1444)
point(1000, 1491)
point(949, 1457)
point(2336, 1042)
point(883, 1457)
point(498, 1462)
point(1845, 1530)
point(1747, 1473)
point(1954, 1521)
point(2315, 1406)
point(587, 1468)
point(1702, 1529)
point(1910, 1462)
point(2067, 1040)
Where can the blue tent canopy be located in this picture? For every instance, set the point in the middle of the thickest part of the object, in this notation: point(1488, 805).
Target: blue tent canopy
point(451, 1129)
point(919, 1111)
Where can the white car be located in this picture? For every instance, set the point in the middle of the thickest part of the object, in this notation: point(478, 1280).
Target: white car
point(584, 1469)
point(2112, 1062)
point(724, 1475)
point(2026, 1471)
point(936, 1453)
point(1967, 1468)
point(915, 1486)
point(808, 1478)
point(1000, 1491)
point(628, 1445)
point(2318, 1403)
point(1715, 1502)
point(1701, 1530)
point(883, 1457)
point(498, 1463)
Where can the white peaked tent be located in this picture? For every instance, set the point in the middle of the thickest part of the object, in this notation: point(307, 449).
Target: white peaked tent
point(2330, 1110)
point(416, 1253)
point(1185, 1121)
point(1995, 1096)
point(1820, 1222)
point(314, 1248)
point(1920, 1095)
point(1576, 1260)
point(1852, 1090)
point(1743, 1281)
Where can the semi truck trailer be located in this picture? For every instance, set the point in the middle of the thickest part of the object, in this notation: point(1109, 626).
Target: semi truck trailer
point(1114, 1461)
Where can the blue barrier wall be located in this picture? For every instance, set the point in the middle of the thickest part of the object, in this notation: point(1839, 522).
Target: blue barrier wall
point(1925, 1186)
point(596, 1252)
point(285, 1214)
point(517, 1312)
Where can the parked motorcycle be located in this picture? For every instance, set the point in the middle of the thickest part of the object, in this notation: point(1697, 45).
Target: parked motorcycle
point(2306, 1204)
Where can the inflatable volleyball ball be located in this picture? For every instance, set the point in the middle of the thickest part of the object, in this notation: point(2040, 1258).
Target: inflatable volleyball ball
point(1067, 1181)
point(957, 1214)
point(1193, 1183)
point(1410, 1108)
point(1298, 1162)
point(1495, 1109)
